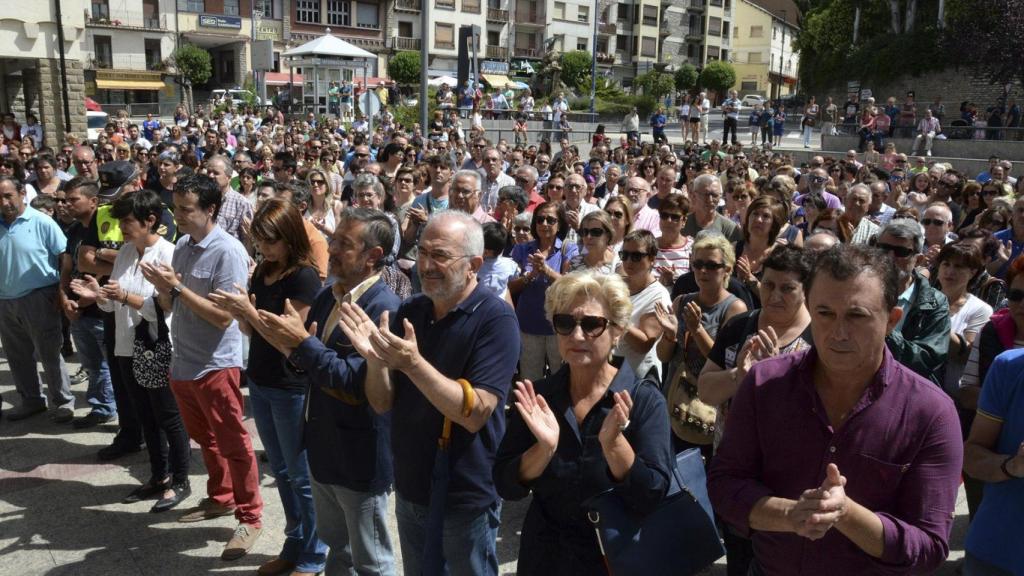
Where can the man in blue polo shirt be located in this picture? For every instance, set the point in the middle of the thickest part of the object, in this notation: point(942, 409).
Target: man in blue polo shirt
point(449, 354)
point(31, 303)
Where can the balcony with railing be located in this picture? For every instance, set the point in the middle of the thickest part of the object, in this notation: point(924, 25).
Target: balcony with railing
point(530, 16)
point(104, 16)
point(409, 5)
point(137, 62)
point(608, 29)
point(497, 52)
point(696, 5)
point(497, 15)
point(444, 45)
point(519, 52)
point(399, 43)
point(445, 4)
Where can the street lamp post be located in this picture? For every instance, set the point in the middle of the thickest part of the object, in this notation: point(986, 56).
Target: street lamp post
point(593, 64)
point(782, 55)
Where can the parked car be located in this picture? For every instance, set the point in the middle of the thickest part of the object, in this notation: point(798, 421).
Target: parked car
point(239, 96)
point(752, 100)
point(95, 123)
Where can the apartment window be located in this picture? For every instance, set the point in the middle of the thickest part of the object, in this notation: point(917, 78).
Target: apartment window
point(101, 10)
point(405, 29)
point(192, 5)
point(749, 86)
point(267, 7)
point(584, 14)
point(525, 41)
point(231, 7)
point(754, 58)
point(153, 55)
point(725, 29)
point(621, 41)
point(581, 43)
point(444, 36)
point(104, 55)
point(650, 15)
point(691, 50)
point(277, 62)
point(622, 12)
point(649, 48)
point(446, 4)
point(367, 15)
point(775, 33)
point(602, 45)
point(757, 31)
point(339, 12)
point(307, 11)
point(559, 11)
point(716, 2)
point(695, 28)
point(714, 26)
point(728, 5)
point(493, 38)
point(714, 53)
point(725, 55)
point(771, 61)
point(472, 6)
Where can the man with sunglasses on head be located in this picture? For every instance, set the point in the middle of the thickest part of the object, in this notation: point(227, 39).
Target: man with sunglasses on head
point(920, 339)
point(441, 365)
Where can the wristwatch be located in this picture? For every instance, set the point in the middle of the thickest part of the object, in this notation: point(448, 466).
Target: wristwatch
point(175, 291)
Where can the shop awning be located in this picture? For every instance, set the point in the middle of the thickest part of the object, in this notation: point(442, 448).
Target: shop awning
point(282, 79)
point(130, 84)
point(496, 80)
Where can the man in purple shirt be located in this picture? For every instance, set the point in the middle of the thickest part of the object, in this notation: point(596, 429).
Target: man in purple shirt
point(839, 460)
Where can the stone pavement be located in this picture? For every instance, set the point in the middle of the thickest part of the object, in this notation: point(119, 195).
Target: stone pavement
point(60, 510)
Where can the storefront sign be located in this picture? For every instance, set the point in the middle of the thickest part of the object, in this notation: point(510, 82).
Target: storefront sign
point(492, 67)
point(218, 21)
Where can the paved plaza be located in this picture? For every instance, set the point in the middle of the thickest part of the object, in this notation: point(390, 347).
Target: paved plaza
point(60, 510)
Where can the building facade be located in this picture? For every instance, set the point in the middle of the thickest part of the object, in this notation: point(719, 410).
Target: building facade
point(30, 70)
point(763, 54)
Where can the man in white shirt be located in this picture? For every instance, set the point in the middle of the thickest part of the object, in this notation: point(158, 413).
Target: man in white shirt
point(927, 128)
point(731, 111)
point(135, 138)
point(493, 180)
point(705, 116)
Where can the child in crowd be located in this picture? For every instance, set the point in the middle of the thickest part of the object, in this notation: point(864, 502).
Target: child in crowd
point(497, 269)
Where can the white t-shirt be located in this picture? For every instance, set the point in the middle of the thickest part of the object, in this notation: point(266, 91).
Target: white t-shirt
point(643, 303)
point(971, 317)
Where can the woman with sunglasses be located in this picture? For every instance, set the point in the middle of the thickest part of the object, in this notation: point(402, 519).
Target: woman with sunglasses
point(582, 431)
point(620, 211)
point(781, 326)
point(542, 261)
point(595, 233)
point(637, 347)
point(324, 211)
point(689, 331)
point(673, 258)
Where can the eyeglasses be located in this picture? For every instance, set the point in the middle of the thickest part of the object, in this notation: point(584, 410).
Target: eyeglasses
point(945, 184)
point(818, 179)
point(592, 326)
point(404, 180)
point(548, 220)
point(670, 217)
point(709, 265)
point(896, 178)
point(616, 215)
point(1015, 295)
point(358, 155)
point(626, 255)
point(897, 251)
point(440, 258)
point(990, 192)
point(521, 229)
point(591, 232)
point(933, 222)
point(317, 182)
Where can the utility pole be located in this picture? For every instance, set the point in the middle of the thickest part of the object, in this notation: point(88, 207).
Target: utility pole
point(782, 55)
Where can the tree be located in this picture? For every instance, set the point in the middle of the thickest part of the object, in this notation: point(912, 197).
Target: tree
point(686, 77)
point(194, 65)
point(655, 84)
point(404, 68)
point(575, 65)
point(987, 34)
point(718, 76)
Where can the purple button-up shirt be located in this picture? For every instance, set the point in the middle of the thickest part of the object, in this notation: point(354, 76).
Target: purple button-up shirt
point(900, 449)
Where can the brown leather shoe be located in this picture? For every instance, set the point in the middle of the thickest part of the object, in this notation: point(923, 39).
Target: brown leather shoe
point(276, 567)
point(206, 510)
point(245, 536)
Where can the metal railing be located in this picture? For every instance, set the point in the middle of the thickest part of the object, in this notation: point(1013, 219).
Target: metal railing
point(139, 110)
point(415, 5)
point(608, 29)
point(497, 52)
point(497, 15)
point(406, 43)
point(446, 4)
point(119, 17)
point(526, 17)
point(527, 52)
point(124, 62)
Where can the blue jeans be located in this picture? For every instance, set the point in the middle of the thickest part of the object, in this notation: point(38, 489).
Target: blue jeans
point(355, 526)
point(974, 566)
point(87, 333)
point(468, 541)
point(279, 420)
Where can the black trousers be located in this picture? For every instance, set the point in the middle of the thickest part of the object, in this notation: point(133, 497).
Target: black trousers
point(730, 124)
point(130, 433)
point(162, 426)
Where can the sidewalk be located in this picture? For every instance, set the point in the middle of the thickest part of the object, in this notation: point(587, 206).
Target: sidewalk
point(60, 511)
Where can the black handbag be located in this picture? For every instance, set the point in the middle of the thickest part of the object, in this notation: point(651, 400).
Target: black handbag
point(151, 359)
point(678, 538)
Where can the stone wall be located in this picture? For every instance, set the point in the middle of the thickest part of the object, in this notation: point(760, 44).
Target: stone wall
point(952, 84)
point(50, 101)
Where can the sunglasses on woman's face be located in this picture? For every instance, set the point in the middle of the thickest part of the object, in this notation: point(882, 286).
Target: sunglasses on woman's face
point(591, 232)
point(709, 265)
point(626, 255)
point(592, 326)
point(548, 220)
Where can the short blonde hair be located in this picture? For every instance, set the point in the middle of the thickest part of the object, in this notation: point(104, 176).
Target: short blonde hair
point(720, 243)
point(609, 289)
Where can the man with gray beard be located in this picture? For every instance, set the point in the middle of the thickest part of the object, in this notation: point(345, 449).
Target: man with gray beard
point(443, 357)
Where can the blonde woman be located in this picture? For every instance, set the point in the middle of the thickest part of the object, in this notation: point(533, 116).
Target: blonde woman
point(323, 211)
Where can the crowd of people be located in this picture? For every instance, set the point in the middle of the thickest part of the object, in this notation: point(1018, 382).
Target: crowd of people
point(432, 316)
